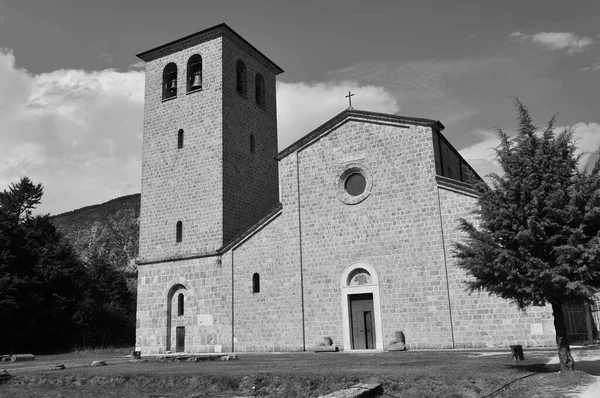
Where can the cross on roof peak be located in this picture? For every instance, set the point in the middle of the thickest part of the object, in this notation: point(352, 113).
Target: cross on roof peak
point(349, 96)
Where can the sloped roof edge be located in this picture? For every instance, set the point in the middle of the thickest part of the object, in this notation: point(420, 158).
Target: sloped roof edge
point(350, 114)
point(197, 37)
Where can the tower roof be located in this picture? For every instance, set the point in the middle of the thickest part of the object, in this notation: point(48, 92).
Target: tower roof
point(201, 37)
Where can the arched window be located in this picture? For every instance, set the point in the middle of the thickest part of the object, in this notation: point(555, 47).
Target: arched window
point(194, 73)
point(256, 283)
point(180, 139)
point(259, 91)
point(180, 304)
point(241, 79)
point(252, 144)
point(169, 81)
point(179, 232)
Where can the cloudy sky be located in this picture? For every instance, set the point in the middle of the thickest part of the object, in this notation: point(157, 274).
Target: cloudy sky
point(71, 88)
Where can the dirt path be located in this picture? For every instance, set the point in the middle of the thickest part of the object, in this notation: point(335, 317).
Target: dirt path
point(587, 361)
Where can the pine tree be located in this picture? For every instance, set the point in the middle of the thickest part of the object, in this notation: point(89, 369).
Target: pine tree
point(537, 236)
point(41, 278)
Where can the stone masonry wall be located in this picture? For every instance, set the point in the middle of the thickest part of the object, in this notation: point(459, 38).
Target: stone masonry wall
point(250, 180)
point(272, 319)
point(480, 320)
point(207, 310)
point(396, 230)
point(182, 184)
point(403, 230)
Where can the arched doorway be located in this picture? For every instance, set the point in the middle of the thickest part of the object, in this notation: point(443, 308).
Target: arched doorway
point(176, 302)
point(361, 308)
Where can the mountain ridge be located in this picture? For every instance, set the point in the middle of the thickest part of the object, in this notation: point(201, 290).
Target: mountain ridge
point(110, 228)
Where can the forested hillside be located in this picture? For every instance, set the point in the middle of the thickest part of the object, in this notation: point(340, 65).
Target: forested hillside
point(110, 228)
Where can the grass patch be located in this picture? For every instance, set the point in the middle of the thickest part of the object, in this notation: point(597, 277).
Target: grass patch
point(403, 374)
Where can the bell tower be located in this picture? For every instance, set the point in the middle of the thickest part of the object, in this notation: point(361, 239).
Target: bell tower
point(210, 140)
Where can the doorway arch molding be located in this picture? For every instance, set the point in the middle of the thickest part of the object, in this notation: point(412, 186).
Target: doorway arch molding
point(175, 286)
point(347, 290)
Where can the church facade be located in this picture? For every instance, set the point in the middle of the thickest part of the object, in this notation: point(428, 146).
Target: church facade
point(346, 234)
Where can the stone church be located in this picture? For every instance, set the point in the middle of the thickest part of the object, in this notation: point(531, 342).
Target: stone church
point(347, 233)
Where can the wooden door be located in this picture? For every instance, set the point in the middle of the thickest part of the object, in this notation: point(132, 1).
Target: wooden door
point(180, 339)
point(362, 322)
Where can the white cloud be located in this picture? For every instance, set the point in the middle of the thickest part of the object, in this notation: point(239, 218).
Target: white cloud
point(137, 65)
point(595, 67)
point(568, 41)
point(302, 107)
point(482, 156)
point(78, 133)
point(587, 137)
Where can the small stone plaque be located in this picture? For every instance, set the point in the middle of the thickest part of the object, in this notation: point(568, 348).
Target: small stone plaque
point(205, 320)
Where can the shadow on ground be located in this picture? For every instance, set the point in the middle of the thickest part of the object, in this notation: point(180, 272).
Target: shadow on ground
point(589, 366)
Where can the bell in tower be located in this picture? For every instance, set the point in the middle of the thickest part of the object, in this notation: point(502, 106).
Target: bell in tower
point(197, 83)
point(194, 73)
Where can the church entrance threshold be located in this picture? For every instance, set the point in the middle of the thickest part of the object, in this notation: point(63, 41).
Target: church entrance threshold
point(362, 321)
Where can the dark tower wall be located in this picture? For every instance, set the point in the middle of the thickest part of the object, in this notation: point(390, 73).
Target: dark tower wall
point(250, 179)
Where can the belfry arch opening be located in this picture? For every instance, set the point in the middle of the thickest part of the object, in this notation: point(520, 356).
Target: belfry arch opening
point(194, 73)
point(169, 82)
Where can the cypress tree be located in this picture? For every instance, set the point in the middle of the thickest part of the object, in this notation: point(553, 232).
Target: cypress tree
point(536, 237)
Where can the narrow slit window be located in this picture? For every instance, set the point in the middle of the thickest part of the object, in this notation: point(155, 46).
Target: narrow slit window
point(180, 139)
point(180, 304)
point(256, 283)
point(169, 81)
point(259, 91)
point(241, 78)
point(179, 232)
point(252, 143)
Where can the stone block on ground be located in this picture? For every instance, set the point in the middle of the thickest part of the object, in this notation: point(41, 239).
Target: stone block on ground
point(361, 390)
point(22, 357)
point(324, 348)
point(58, 366)
point(397, 347)
point(4, 376)
point(98, 363)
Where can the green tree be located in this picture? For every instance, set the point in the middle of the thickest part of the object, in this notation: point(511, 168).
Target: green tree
point(536, 240)
point(20, 199)
point(110, 306)
point(41, 278)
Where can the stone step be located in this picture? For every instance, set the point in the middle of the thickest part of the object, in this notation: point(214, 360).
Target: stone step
point(361, 390)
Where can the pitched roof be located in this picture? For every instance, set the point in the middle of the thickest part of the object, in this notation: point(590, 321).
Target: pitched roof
point(200, 37)
point(356, 115)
